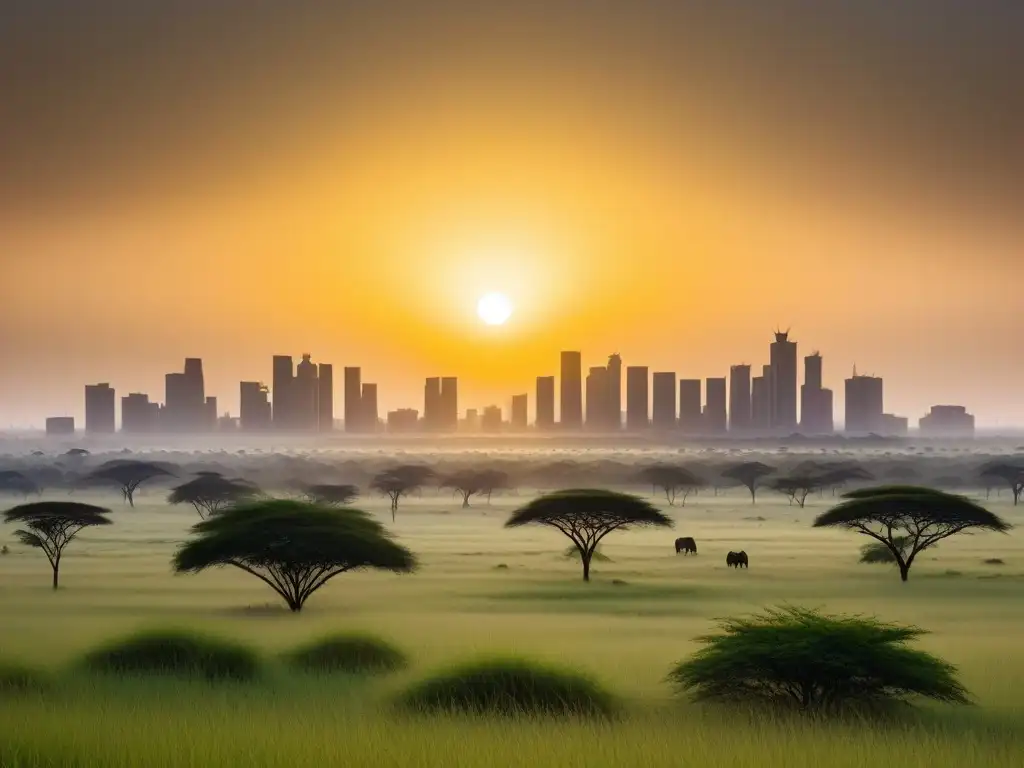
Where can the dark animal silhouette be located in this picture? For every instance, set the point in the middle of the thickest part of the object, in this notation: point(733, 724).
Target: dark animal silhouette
point(737, 559)
point(686, 545)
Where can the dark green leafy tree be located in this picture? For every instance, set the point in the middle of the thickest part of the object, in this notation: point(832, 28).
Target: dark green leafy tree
point(800, 658)
point(51, 525)
point(1011, 475)
point(332, 495)
point(675, 482)
point(211, 492)
point(924, 516)
point(401, 481)
point(127, 475)
point(749, 474)
point(293, 547)
point(586, 516)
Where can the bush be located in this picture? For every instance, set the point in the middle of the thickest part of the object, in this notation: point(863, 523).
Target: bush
point(175, 653)
point(349, 654)
point(800, 658)
point(15, 678)
point(510, 687)
point(995, 561)
point(572, 553)
point(876, 552)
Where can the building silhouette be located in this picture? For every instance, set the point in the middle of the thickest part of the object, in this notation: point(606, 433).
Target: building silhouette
point(254, 407)
point(597, 399)
point(783, 384)
point(306, 395)
point(368, 413)
point(490, 419)
point(185, 403)
point(716, 419)
point(816, 402)
point(761, 400)
point(663, 396)
point(613, 387)
point(139, 415)
point(450, 404)
point(471, 422)
point(690, 410)
point(283, 376)
point(353, 399)
point(571, 416)
point(325, 397)
point(519, 419)
point(432, 404)
point(637, 398)
point(864, 405)
point(895, 426)
point(545, 417)
point(58, 426)
point(403, 420)
point(739, 399)
point(947, 421)
point(100, 409)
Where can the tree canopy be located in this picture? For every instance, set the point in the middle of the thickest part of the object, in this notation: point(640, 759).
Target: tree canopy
point(1005, 472)
point(674, 481)
point(472, 482)
point(14, 482)
point(924, 516)
point(587, 515)
point(401, 481)
point(126, 474)
point(51, 525)
point(749, 474)
point(329, 494)
point(211, 492)
point(292, 546)
point(797, 487)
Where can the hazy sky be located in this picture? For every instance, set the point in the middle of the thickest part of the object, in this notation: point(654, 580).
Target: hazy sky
point(235, 180)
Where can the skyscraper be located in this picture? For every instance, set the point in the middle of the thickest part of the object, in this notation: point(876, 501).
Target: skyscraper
point(432, 404)
point(613, 387)
point(138, 414)
point(368, 407)
point(325, 397)
point(100, 409)
point(690, 405)
point(490, 419)
point(254, 410)
point(739, 399)
point(450, 404)
point(637, 398)
point(571, 417)
point(816, 417)
point(518, 420)
point(663, 393)
point(783, 384)
point(545, 418)
point(353, 399)
point(283, 412)
point(864, 405)
point(597, 399)
point(306, 391)
point(761, 400)
point(715, 417)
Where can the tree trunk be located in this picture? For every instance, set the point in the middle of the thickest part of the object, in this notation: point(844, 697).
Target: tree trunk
point(465, 500)
point(753, 496)
point(586, 565)
point(131, 498)
point(56, 574)
point(904, 571)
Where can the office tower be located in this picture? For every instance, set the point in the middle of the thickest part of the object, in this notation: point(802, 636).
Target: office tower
point(450, 404)
point(613, 385)
point(864, 405)
point(690, 405)
point(947, 421)
point(490, 420)
point(368, 407)
point(816, 409)
point(739, 399)
point(895, 426)
point(403, 420)
point(283, 411)
point(472, 421)
point(175, 415)
point(254, 413)
point(57, 426)
point(306, 391)
point(715, 417)
point(518, 421)
point(783, 384)
point(637, 398)
point(196, 418)
point(571, 416)
point(761, 400)
point(432, 404)
point(353, 401)
point(139, 415)
point(597, 399)
point(545, 418)
point(663, 395)
point(325, 397)
point(210, 414)
point(99, 409)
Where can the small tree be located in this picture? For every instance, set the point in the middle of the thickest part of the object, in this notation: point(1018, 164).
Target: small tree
point(127, 475)
point(401, 481)
point(492, 480)
point(466, 482)
point(924, 515)
point(817, 663)
point(209, 493)
point(330, 495)
point(875, 552)
point(52, 525)
point(586, 516)
point(675, 482)
point(797, 487)
point(293, 547)
point(1011, 475)
point(749, 474)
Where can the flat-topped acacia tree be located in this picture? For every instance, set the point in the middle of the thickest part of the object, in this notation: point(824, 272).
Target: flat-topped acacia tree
point(587, 515)
point(292, 546)
point(210, 493)
point(908, 519)
point(52, 525)
point(126, 474)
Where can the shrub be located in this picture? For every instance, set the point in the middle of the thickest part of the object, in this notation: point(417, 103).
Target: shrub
point(573, 553)
point(510, 687)
point(15, 678)
point(803, 659)
point(350, 654)
point(175, 653)
point(876, 552)
point(995, 561)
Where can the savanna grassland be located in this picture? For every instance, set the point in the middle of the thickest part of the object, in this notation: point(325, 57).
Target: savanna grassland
point(483, 590)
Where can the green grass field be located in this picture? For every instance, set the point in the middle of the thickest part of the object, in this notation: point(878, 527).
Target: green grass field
point(461, 604)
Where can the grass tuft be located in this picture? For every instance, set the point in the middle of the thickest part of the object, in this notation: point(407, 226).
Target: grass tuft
point(348, 654)
point(177, 653)
point(16, 678)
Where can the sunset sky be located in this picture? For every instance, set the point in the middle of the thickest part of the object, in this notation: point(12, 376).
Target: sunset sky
point(671, 184)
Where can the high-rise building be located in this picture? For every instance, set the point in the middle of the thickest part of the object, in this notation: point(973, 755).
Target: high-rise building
point(254, 409)
point(637, 398)
point(816, 408)
point(571, 416)
point(690, 405)
point(545, 418)
point(210, 414)
point(353, 401)
point(597, 399)
point(57, 426)
point(864, 405)
point(307, 390)
point(139, 415)
point(614, 391)
point(716, 419)
point(947, 421)
point(663, 395)
point(284, 377)
point(432, 404)
point(450, 404)
point(518, 421)
point(368, 407)
point(783, 384)
point(894, 426)
point(325, 397)
point(472, 421)
point(403, 420)
point(739, 399)
point(490, 420)
point(100, 409)
point(761, 400)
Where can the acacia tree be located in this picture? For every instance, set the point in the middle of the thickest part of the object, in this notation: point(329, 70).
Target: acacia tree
point(750, 474)
point(586, 516)
point(492, 480)
point(52, 525)
point(908, 519)
point(331, 495)
point(210, 493)
point(1010, 474)
point(401, 481)
point(797, 487)
point(673, 480)
point(292, 546)
point(467, 482)
point(127, 474)
point(12, 481)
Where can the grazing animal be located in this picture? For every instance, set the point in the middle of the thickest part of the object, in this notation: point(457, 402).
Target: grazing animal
point(686, 545)
point(737, 559)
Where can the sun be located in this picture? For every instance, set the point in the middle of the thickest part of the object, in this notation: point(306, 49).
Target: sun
point(494, 308)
